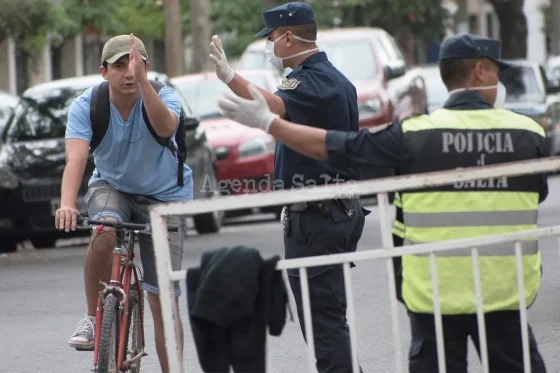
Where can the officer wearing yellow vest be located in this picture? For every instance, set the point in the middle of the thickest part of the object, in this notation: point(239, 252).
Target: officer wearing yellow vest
point(468, 131)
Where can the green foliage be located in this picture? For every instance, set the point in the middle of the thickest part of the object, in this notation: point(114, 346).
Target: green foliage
point(27, 21)
point(141, 17)
point(424, 17)
point(242, 18)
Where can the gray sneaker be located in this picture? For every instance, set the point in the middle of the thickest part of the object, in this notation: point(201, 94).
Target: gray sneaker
point(84, 336)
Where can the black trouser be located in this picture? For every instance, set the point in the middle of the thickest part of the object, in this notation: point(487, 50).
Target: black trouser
point(503, 335)
point(312, 233)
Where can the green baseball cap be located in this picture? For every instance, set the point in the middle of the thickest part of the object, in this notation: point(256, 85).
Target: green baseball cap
point(119, 46)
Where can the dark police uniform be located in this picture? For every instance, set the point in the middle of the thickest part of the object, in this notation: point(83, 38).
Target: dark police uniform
point(317, 94)
point(413, 146)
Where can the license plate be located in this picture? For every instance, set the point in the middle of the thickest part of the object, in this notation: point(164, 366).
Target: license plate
point(81, 205)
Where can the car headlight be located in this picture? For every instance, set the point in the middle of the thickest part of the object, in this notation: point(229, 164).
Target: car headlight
point(222, 153)
point(259, 146)
point(369, 108)
point(7, 179)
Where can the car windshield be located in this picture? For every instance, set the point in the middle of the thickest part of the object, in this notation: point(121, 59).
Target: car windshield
point(362, 64)
point(202, 95)
point(42, 116)
point(521, 84)
point(437, 92)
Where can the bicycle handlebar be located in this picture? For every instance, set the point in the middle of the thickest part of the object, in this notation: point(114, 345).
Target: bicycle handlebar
point(121, 226)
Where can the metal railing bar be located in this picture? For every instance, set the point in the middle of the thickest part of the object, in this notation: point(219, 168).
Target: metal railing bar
point(480, 311)
point(522, 308)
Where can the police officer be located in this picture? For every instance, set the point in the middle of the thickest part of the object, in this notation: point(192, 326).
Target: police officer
point(469, 130)
point(314, 94)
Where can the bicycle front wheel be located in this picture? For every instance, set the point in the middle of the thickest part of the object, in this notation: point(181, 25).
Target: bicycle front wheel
point(109, 339)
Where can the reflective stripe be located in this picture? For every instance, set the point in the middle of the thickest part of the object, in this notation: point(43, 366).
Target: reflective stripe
point(499, 249)
point(470, 219)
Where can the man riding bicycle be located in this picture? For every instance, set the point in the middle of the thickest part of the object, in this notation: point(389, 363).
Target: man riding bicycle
point(132, 171)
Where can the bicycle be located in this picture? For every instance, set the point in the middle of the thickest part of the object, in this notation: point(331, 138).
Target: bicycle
point(120, 307)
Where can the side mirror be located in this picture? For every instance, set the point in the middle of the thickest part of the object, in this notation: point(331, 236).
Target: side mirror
point(191, 123)
point(394, 70)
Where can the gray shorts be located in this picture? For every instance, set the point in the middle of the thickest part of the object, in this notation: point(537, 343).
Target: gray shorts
point(105, 201)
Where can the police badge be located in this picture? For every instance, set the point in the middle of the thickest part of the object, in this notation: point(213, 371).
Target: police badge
point(289, 84)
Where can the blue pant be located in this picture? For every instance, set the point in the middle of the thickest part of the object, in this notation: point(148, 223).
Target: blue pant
point(312, 233)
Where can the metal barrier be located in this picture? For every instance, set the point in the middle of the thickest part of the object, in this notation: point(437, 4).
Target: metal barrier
point(381, 187)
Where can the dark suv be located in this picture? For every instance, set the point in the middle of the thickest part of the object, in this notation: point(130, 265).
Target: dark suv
point(32, 159)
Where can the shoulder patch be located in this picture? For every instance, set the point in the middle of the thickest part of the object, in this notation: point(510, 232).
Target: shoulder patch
point(289, 84)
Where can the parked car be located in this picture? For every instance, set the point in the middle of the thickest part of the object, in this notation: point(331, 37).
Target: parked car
point(372, 60)
point(245, 156)
point(32, 160)
point(387, 87)
point(530, 92)
point(437, 91)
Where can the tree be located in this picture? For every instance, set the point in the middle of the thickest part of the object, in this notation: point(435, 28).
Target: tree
point(31, 22)
point(173, 39)
point(144, 18)
point(513, 28)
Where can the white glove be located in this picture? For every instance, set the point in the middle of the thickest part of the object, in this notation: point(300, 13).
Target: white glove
point(252, 113)
point(224, 72)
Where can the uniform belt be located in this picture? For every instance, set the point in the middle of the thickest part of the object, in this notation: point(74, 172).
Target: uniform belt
point(322, 206)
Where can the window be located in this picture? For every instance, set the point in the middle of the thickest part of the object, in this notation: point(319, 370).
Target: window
point(362, 63)
point(42, 116)
point(201, 95)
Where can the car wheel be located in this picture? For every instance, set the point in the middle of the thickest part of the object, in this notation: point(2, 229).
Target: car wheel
point(45, 241)
point(212, 221)
point(8, 244)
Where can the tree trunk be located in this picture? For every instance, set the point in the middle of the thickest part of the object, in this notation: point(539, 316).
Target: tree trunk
point(200, 16)
point(513, 28)
point(555, 34)
point(173, 39)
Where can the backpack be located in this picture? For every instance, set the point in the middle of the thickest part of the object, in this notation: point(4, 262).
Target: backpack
point(100, 116)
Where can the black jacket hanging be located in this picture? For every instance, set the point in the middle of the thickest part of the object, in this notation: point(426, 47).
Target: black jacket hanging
point(232, 297)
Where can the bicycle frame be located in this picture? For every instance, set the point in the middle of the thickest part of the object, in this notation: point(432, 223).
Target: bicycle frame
point(122, 271)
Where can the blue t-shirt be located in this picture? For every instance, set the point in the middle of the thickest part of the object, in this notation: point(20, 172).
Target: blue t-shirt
point(128, 157)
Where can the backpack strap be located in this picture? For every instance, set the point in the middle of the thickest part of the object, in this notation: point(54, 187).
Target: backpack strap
point(163, 141)
point(99, 114)
point(166, 141)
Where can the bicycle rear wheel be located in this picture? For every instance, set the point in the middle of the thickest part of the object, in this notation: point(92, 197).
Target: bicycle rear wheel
point(109, 339)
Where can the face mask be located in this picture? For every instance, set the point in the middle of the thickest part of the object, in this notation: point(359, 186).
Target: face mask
point(278, 61)
point(500, 94)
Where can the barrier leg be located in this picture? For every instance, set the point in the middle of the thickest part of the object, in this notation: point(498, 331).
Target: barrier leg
point(166, 291)
point(522, 307)
point(387, 242)
point(480, 312)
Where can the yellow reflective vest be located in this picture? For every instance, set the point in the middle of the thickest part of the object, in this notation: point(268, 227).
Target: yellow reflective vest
point(449, 139)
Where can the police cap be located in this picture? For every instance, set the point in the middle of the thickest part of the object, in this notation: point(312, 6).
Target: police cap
point(290, 14)
point(473, 46)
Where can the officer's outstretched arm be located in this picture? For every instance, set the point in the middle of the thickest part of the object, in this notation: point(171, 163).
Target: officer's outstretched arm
point(239, 86)
point(381, 148)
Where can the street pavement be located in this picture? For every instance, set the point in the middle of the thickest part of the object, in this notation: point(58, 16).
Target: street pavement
point(42, 299)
